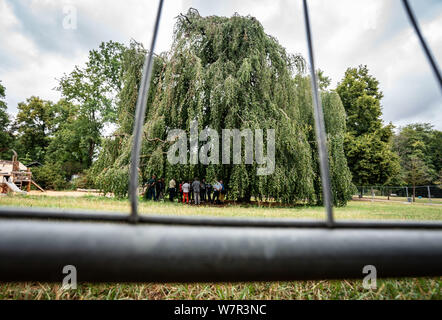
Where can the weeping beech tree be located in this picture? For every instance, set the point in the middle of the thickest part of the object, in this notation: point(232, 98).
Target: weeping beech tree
point(227, 73)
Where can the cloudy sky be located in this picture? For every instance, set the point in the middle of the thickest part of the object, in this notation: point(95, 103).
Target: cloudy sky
point(39, 42)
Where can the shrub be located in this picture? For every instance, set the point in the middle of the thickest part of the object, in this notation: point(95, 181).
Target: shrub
point(50, 176)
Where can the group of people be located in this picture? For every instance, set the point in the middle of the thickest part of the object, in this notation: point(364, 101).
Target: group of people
point(155, 189)
point(195, 191)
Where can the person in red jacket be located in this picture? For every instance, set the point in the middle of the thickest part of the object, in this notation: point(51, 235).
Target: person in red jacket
point(180, 191)
point(186, 190)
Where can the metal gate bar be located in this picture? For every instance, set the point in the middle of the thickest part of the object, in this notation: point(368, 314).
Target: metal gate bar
point(140, 112)
point(38, 251)
point(424, 45)
point(48, 214)
point(321, 135)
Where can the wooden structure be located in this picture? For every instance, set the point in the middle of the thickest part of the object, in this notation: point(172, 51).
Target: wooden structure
point(14, 176)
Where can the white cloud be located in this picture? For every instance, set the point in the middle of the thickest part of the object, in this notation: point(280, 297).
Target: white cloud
point(35, 50)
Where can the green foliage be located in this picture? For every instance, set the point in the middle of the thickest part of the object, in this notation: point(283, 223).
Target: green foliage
point(50, 176)
point(69, 144)
point(94, 88)
point(371, 159)
point(360, 95)
point(5, 121)
point(435, 150)
point(341, 178)
point(224, 73)
point(82, 181)
point(334, 116)
point(368, 144)
point(111, 170)
point(420, 151)
point(34, 126)
point(324, 81)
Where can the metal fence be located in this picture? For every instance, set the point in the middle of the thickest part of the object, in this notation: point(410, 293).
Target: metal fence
point(422, 194)
point(35, 244)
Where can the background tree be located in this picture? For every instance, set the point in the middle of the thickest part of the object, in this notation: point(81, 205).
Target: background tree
point(334, 116)
point(435, 151)
point(34, 127)
point(6, 137)
point(419, 147)
point(94, 89)
point(416, 170)
point(368, 145)
point(69, 145)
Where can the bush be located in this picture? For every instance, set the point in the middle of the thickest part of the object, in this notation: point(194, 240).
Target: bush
point(83, 181)
point(50, 176)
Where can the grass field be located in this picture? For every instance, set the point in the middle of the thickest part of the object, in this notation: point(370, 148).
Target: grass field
point(404, 199)
point(413, 288)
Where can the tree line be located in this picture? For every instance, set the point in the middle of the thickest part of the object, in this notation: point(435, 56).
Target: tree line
point(225, 73)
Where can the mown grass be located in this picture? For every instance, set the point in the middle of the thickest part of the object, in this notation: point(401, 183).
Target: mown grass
point(354, 209)
point(413, 288)
point(404, 199)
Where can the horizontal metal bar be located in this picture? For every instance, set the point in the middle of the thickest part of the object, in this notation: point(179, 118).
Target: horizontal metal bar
point(116, 252)
point(77, 215)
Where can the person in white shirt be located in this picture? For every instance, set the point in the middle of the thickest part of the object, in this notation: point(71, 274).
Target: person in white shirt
point(186, 190)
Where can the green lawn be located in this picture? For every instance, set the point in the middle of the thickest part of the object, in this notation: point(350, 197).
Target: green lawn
point(419, 288)
point(404, 199)
point(354, 209)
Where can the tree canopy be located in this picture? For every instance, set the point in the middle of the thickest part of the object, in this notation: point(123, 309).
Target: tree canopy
point(419, 147)
point(5, 121)
point(34, 126)
point(93, 88)
point(368, 145)
point(226, 73)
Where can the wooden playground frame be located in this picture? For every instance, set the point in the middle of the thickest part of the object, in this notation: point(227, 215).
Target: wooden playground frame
point(20, 175)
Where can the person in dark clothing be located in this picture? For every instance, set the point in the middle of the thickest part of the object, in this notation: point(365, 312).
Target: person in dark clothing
point(159, 190)
point(209, 189)
point(150, 192)
point(203, 190)
point(163, 188)
point(196, 187)
point(172, 189)
point(222, 193)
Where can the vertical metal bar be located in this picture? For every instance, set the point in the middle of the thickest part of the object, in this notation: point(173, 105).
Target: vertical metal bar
point(319, 125)
point(427, 51)
point(139, 121)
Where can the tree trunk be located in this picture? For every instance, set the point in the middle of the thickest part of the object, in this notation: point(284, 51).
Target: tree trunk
point(414, 193)
point(91, 152)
